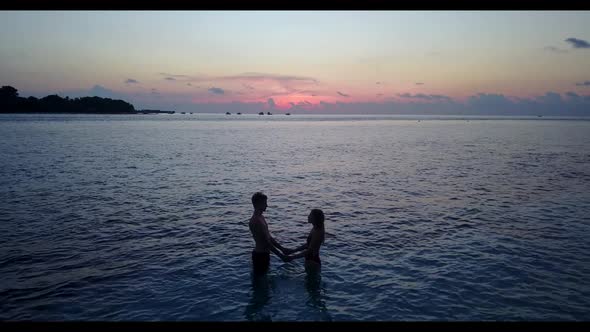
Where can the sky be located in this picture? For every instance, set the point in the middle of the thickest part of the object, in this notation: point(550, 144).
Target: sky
point(407, 62)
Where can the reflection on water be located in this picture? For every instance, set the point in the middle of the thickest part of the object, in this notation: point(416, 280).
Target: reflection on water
point(263, 286)
point(316, 291)
point(259, 297)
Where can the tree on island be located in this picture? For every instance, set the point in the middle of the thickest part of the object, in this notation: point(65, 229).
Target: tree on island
point(10, 102)
point(8, 92)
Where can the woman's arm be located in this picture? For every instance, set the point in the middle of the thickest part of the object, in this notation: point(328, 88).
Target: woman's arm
point(290, 251)
point(299, 255)
point(314, 244)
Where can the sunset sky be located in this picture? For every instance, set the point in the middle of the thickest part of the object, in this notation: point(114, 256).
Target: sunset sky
point(338, 60)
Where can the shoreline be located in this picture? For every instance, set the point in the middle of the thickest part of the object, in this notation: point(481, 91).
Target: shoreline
point(329, 115)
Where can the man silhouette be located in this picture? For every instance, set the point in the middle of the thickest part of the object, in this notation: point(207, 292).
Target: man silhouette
point(265, 243)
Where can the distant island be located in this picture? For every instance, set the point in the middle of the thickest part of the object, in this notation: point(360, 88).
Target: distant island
point(10, 102)
point(155, 112)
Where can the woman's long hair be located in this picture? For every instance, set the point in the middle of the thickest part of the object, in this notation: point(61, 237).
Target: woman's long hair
point(318, 221)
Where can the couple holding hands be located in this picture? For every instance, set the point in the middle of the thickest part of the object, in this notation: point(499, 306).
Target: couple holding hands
point(265, 243)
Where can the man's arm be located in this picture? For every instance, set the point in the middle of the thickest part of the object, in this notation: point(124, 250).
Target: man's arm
point(278, 253)
point(275, 243)
point(299, 255)
point(272, 245)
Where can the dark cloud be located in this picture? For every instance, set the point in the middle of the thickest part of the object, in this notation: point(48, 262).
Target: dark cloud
point(189, 84)
point(440, 97)
point(272, 77)
point(175, 75)
point(425, 96)
point(586, 83)
point(550, 98)
point(343, 94)
point(217, 91)
point(131, 81)
point(302, 105)
point(271, 103)
point(578, 43)
point(419, 83)
point(488, 100)
point(554, 49)
point(289, 83)
point(312, 93)
point(379, 95)
point(247, 77)
point(377, 82)
point(549, 103)
point(182, 77)
point(482, 104)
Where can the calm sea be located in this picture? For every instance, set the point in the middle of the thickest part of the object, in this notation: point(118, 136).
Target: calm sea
point(428, 218)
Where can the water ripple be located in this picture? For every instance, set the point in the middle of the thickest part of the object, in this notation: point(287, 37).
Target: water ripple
point(113, 218)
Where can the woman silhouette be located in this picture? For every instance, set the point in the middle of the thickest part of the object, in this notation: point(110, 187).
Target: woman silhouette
point(311, 249)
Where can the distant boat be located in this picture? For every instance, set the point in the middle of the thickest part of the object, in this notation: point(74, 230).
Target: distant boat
point(268, 113)
point(191, 112)
point(227, 113)
point(182, 112)
point(261, 113)
point(239, 113)
point(539, 116)
point(287, 113)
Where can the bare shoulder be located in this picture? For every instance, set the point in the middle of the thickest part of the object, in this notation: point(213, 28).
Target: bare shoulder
point(256, 222)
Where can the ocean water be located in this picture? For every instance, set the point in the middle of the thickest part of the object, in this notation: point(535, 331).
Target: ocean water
point(428, 218)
